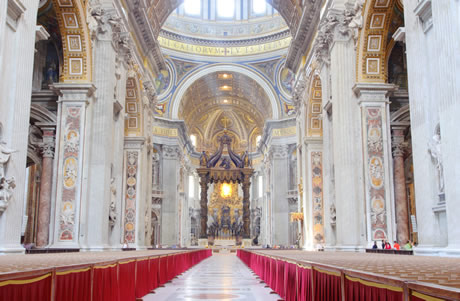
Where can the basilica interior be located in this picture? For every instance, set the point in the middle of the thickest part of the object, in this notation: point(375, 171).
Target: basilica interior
point(200, 127)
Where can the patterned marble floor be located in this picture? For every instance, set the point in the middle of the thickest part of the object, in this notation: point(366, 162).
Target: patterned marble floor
point(220, 277)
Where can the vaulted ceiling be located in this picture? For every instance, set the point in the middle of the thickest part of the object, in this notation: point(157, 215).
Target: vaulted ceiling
point(225, 100)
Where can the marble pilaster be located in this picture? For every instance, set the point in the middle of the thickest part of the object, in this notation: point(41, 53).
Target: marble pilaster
point(280, 205)
point(68, 164)
point(46, 180)
point(16, 63)
point(133, 229)
point(374, 104)
point(100, 153)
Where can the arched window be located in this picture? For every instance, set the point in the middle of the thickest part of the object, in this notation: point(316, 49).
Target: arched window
point(258, 138)
point(225, 9)
point(193, 139)
point(259, 7)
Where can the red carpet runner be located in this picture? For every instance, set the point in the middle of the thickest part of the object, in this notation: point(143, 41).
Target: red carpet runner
point(121, 280)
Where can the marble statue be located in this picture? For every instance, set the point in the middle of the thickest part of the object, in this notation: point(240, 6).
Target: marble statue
point(434, 148)
point(113, 204)
point(7, 185)
point(333, 216)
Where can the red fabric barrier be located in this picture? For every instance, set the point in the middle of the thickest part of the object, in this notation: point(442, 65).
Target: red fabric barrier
point(358, 289)
point(327, 285)
point(290, 281)
point(163, 270)
point(142, 278)
point(304, 283)
point(127, 280)
point(153, 273)
point(279, 285)
point(27, 289)
point(105, 283)
point(66, 282)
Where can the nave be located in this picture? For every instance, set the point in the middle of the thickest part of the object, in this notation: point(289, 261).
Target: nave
point(219, 277)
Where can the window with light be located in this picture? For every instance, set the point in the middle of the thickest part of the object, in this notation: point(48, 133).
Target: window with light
point(191, 186)
point(259, 7)
point(193, 140)
point(225, 8)
point(192, 7)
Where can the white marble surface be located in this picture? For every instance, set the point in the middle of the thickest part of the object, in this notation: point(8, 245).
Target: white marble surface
point(219, 277)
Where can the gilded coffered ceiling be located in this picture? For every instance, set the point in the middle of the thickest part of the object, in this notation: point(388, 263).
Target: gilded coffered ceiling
point(225, 101)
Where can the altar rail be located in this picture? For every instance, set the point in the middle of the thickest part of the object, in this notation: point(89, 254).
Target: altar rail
point(122, 276)
point(306, 280)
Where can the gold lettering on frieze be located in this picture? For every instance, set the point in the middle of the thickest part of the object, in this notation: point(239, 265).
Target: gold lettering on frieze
point(290, 131)
point(159, 131)
point(224, 51)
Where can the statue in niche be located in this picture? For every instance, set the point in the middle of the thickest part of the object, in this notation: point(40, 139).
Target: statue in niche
point(434, 148)
point(333, 216)
point(155, 167)
point(113, 204)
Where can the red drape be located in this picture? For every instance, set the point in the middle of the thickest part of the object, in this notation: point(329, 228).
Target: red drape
point(105, 283)
point(162, 273)
point(127, 280)
point(26, 289)
point(67, 281)
point(279, 285)
point(304, 283)
point(327, 286)
point(290, 281)
point(365, 290)
point(153, 274)
point(142, 278)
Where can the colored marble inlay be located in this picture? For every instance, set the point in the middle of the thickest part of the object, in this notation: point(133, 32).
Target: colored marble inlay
point(130, 196)
point(70, 171)
point(317, 196)
point(376, 173)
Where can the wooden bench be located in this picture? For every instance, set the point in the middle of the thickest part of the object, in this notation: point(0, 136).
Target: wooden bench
point(390, 251)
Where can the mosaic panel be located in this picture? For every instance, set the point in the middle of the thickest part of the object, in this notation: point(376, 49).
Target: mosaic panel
point(70, 171)
point(317, 196)
point(376, 173)
point(132, 159)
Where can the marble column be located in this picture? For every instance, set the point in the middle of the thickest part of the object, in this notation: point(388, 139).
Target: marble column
point(46, 179)
point(204, 204)
point(246, 212)
point(402, 214)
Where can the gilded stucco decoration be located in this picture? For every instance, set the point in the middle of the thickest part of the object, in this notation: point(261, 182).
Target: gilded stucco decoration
point(76, 43)
point(314, 122)
point(133, 120)
point(373, 40)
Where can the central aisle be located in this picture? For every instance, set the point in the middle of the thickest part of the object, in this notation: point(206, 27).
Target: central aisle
point(220, 277)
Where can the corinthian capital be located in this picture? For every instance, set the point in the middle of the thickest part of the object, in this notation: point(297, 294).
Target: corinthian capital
point(299, 90)
point(104, 23)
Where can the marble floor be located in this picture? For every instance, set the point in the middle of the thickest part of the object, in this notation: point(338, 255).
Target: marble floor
point(219, 277)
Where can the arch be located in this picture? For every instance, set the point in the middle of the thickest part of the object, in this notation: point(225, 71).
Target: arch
point(186, 83)
point(76, 43)
point(42, 114)
point(373, 41)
